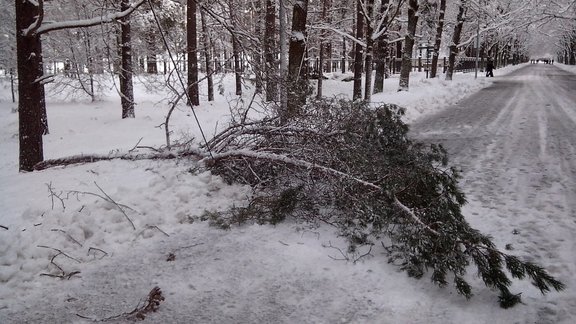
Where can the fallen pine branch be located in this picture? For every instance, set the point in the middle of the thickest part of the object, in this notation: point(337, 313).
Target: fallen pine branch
point(355, 167)
point(208, 160)
point(131, 156)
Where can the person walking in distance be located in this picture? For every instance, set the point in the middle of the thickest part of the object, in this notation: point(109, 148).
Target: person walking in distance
point(489, 68)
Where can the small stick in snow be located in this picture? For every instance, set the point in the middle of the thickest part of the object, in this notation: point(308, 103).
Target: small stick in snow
point(115, 203)
point(97, 250)
point(59, 252)
point(64, 274)
point(135, 146)
point(55, 195)
point(67, 235)
point(4, 227)
point(139, 313)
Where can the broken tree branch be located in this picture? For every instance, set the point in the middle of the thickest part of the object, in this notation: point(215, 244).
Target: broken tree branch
point(117, 205)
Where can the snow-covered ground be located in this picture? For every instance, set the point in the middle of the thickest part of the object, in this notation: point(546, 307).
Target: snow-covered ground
point(251, 274)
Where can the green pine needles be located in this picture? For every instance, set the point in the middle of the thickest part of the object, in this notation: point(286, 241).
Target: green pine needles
point(354, 167)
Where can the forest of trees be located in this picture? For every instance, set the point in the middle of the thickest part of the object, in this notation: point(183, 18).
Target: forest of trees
point(275, 44)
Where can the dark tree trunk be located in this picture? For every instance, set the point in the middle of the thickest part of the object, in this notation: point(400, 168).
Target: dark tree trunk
point(236, 50)
point(381, 52)
point(31, 102)
point(326, 4)
point(408, 46)
point(192, 51)
point(151, 66)
point(297, 82)
point(456, 40)
point(126, 88)
point(344, 56)
point(369, 49)
point(258, 71)
point(207, 57)
point(269, 55)
point(237, 65)
point(438, 39)
point(344, 51)
point(358, 53)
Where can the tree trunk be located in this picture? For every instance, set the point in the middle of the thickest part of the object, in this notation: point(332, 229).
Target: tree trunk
point(369, 49)
point(192, 51)
point(151, 47)
point(207, 57)
point(258, 71)
point(408, 46)
point(381, 52)
point(456, 40)
point(438, 39)
point(151, 66)
point(271, 69)
point(326, 4)
point(235, 49)
point(31, 102)
point(126, 88)
point(296, 80)
point(283, 57)
point(358, 52)
point(344, 55)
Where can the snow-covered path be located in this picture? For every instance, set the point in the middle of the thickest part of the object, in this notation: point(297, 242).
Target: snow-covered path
point(513, 141)
point(516, 144)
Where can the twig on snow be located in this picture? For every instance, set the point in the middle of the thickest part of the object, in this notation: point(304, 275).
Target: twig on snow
point(349, 257)
point(68, 236)
point(53, 194)
point(139, 313)
point(64, 274)
point(117, 205)
point(135, 146)
point(90, 249)
point(153, 227)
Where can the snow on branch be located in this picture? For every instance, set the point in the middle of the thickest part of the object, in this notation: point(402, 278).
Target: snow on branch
point(339, 32)
point(311, 166)
point(52, 26)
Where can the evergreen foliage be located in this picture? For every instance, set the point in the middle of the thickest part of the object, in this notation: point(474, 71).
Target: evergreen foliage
point(354, 167)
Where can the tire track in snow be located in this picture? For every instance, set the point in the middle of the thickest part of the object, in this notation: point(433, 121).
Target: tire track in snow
point(516, 144)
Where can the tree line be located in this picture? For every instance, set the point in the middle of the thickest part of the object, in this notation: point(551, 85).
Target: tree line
point(267, 41)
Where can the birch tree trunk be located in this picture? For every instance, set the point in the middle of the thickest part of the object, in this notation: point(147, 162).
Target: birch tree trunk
point(406, 67)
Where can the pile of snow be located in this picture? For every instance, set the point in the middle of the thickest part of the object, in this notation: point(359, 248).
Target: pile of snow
point(76, 222)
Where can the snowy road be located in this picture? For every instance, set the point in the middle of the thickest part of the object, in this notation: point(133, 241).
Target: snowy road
point(516, 144)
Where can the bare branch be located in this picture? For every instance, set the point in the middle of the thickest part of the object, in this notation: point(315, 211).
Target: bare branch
point(117, 205)
point(52, 26)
